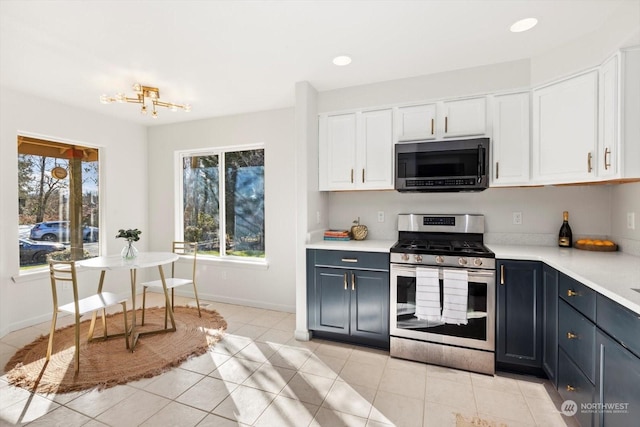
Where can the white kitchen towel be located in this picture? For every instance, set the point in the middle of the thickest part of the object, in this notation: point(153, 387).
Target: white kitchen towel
point(428, 294)
point(455, 291)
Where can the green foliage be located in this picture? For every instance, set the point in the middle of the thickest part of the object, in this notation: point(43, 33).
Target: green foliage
point(192, 234)
point(66, 255)
point(132, 235)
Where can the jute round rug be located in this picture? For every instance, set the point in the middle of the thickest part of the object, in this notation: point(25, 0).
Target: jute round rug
point(107, 363)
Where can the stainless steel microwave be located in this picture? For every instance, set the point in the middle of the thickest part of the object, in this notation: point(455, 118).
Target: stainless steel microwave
point(455, 165)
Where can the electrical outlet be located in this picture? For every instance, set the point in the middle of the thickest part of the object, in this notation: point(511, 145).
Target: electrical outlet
point(517, 218)
point(380, 216)
point(631, 220)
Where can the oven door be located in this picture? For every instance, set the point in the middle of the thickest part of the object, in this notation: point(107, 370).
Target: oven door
point(478, 333)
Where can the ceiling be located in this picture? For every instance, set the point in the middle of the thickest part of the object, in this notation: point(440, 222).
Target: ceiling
point(230, 57)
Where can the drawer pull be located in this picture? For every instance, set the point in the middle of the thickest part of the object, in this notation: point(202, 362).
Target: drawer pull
point(571, 336)
point(502, 274)
point(349, 260)
point(571, 293)
point(353, 282)
point(345, 281)
point(570, 388)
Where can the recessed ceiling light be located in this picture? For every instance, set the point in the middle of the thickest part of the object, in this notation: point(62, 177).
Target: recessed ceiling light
point(342, 60)
point(523, 25)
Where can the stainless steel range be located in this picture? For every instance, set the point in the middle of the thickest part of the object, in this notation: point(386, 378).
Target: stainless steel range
point(443, 292)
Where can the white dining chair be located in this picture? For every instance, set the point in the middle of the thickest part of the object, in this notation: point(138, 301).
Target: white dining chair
point(182, 249)
point(65, 272)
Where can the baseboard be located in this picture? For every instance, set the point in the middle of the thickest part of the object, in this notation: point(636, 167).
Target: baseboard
point(237, 301)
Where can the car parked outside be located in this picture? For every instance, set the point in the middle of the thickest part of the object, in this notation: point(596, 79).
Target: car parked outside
point(58, 231)
point(32, 252)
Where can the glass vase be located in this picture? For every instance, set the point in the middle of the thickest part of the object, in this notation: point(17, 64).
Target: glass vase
point(129, 252)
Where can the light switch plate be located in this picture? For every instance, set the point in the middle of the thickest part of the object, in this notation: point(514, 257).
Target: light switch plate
point(631, 220)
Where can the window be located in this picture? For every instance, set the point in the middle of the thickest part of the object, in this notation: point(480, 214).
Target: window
point(58, 201)
point(224, 212)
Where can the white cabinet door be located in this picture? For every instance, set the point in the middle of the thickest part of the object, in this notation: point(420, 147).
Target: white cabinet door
point(510, 145)
point(465, 117)
point(565, 130)
point(417, 122)
point(375, 150)
point(608, 138)
point(337, 154)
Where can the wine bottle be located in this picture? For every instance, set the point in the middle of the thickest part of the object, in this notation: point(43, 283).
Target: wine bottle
point(565, 237)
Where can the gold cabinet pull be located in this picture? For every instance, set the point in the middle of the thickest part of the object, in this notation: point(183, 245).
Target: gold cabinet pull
point(345, 281)
point(354, 260)
point(433, 124)
point(571, 293)
point(570, 388)
point(589, 157)
point(502, 274)
point(446, 124)
point(571, 336)
point(607, 162)
point(353, 282)
point(497, 170)
point(363, 175)
point(352, 176)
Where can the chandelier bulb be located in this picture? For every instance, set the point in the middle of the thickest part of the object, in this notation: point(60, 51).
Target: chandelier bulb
point(154, 115)
point(120, 97)
point(143, 110)
point(104, 99)
point(187, 108)
point(137, 87)
point(174, 107)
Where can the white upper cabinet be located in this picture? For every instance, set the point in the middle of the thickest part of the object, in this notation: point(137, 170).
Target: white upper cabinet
point(608, 138)
point(416, 122)
point(510, 144)
point(464, 117)
point(356, 151)
point(565, 130)
point(375, 150)
point(445, 119)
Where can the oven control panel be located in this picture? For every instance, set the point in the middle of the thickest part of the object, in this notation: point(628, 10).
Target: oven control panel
point(443, 261)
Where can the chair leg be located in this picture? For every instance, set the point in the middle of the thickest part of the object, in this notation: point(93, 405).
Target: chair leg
point(53, 328)
point(144, 300)
point(195, 291)
point(126, 326)
point(104, 322)
point(77, 340)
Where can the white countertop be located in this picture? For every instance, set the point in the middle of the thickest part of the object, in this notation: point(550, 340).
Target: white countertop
point(613, 274)
point(353, 245)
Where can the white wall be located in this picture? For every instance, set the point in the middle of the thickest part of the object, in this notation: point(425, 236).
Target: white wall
point(274, 287)
point(123, 174)
point(541, 207)
point(621, 30)
point(626, 199)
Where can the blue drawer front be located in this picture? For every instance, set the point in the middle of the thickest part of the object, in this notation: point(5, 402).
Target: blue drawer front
point(577, 337)
point(352, 259)
point(573, 385)
point(619, 322)
point(578, 296)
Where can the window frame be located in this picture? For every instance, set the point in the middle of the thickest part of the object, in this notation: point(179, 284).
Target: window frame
point(34, 273)
point(179, 155)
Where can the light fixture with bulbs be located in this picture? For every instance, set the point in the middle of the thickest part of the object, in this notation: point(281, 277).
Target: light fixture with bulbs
point(144, 93)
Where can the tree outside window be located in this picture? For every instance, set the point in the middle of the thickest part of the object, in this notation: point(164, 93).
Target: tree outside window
point(224, 211)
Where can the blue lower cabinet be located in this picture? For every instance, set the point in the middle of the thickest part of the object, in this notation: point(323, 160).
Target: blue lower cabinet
point(550, 323)
point(349, 304)
point(617, 384)
point(575, 388)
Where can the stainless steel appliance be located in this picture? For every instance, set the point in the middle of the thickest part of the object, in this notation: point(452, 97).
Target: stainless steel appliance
point(444, 242)
point(453, 165)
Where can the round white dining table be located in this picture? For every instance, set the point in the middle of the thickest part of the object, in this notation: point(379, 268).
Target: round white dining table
point(143, 260)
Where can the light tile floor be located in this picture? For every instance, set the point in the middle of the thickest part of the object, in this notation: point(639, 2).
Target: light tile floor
point(258, 375)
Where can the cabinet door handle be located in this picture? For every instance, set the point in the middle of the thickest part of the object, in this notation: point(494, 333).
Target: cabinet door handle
point(446, 124)
point(571, 336)
point(345, 281)
point(589, 157)
point(352, 176)
point(349, 260)
point(607, 162)
point(363, 175)
point(502, 274)
point(497, 170)
point(571, 293)
point(570, 388)
point(353, 282)
point(433, 124)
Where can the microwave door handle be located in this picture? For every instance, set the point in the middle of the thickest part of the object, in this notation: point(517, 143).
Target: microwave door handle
point(480, 163)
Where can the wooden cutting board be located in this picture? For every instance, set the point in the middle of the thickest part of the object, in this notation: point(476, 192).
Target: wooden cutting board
point(597, 248)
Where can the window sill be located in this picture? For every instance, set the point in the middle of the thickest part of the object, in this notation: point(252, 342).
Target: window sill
point(253, 264)
point(39, 274)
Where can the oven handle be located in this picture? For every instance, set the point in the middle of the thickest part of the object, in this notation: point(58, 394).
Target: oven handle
point(472, 273)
